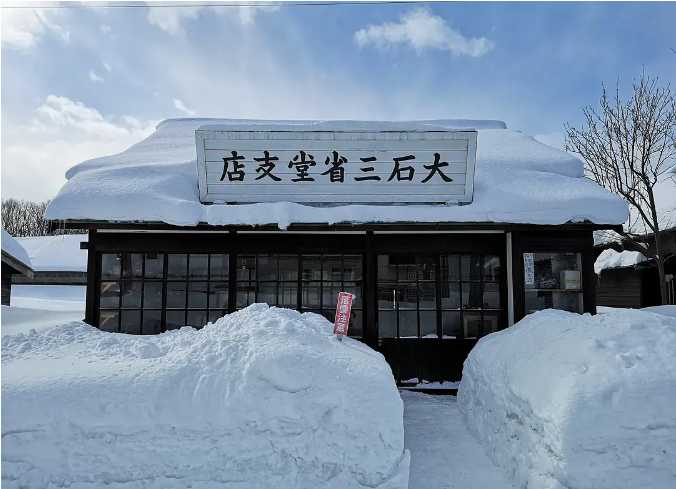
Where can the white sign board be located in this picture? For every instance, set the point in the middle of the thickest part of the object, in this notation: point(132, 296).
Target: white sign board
point(335, 166)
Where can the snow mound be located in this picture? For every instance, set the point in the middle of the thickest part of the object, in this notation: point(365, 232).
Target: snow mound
point(577, 401)
point(264, 397)
point(14, 249)
point(615, 259)
point(59, 253)
point(517, 180)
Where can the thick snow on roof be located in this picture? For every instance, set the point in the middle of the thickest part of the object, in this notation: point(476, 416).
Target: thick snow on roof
point(517, 180)
point(56, 253)
point(14, 249)
point(617, 259)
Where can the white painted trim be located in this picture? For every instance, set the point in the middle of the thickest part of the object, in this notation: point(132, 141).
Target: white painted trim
point(510, 281)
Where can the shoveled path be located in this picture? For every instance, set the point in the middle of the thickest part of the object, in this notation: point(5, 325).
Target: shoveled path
point(444, 455)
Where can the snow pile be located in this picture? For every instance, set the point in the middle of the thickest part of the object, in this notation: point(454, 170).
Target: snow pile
point(14, 249)
point(517, 180)
point(617, 259)
point(60, 253)
point(562, 400)
point(265, 397)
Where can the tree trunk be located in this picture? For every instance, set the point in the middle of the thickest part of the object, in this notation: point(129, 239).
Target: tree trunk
point(660, 268)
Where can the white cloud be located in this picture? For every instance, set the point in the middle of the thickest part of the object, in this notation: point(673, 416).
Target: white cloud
point(93, 76)
point(68, 132)
point(181, 106)
point(422, 30)
point(23, 27)
point(172, 19)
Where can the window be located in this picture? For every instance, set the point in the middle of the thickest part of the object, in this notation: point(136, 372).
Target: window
point(147, 293)
point(553, 280)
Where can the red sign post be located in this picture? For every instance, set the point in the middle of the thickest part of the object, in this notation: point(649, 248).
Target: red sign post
point(343, 308)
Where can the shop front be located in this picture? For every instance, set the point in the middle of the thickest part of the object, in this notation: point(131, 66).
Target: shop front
point(429, 279)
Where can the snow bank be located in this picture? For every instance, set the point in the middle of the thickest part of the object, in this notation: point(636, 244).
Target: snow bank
point(265, 397)
point(14, 249)
point(580, 402)
point(617, 259)
point(517, 180)
point(60, 253)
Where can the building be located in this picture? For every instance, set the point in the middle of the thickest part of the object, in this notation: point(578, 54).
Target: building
point(56, 260)
point(444, 230)
point(15, 261)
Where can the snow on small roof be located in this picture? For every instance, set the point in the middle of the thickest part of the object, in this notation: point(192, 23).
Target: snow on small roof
point(56, 253)
point(617, 259)
point(14, 249)
point(517, 180)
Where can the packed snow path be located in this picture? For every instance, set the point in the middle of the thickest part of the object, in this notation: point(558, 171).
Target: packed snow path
point(444, 454)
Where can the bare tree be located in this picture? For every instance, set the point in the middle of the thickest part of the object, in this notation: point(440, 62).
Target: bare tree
point(628, 146)
point(24, 218)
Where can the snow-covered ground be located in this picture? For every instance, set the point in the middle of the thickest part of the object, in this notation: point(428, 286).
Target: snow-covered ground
point(444, 454)
point(265, 397)
point(563, 400)
point(50, 297)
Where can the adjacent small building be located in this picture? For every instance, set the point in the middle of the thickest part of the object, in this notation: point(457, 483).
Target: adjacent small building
point(444, 230)
point(56, 260)
point(15, 261)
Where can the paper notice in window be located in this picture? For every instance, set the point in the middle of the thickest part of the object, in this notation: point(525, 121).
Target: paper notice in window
point(529, 268)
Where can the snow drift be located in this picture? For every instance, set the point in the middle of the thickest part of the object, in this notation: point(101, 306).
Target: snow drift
point(568, 401)
point(264, 397)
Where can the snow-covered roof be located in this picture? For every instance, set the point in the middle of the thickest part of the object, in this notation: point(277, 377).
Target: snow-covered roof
point(12, 248)
point(517, 180)
point(617, 259)
point(56, 253)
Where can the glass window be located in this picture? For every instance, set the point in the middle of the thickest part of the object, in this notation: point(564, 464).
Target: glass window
point(199, 267)
point(177, 266)
point(131, 293)
point(152, 295)
point(130, 322)
point(152, 322)
point(111, 265)
point(154, 265)
point(219, 266)
point(553, 280)
point(132, 265)
point(109, 320)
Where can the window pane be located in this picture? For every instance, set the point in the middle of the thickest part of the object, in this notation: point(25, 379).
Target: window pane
point(549, 269)
point(130, 322)
point(472, 324)
point(197, 319)
point(132, 265)
point(267, 267)
point(352, 267)
point(197, 294)
point(451, 324)
point(246, 267)
point(199, 266)
point(288, 294)
point(330, 294)
point(311, 294)
point(450, 267)
point(246, 294)
point(471, 267)
point(407, 296)
point(408, 324)
point(492, 268)
point(428, 324)
point(175, 319)
point(154, 265)
point(152, 295)
point(491, 296)
point(386, 270)
point(218, 295)
point(354, 289)
point(471, 295)
point(426, 268)
point(176, 294)
point(131, 293)
point(386, 293)
point(288, 267)
point(219, 267)
point(177, 266)
point(450, 295)
point(152, 322)
point(332, 268)
point(491, 322)
point(267, 292)
point(110, 265)
point(427, 295)
point(356, 328)
point(110, 295)
point(109, 320)
point(312, 267)
point(387, 324)
point(545, 299)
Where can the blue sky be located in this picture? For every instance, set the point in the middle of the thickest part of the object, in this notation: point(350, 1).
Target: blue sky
point(83, 82)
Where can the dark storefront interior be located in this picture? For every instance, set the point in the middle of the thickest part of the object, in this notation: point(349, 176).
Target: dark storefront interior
point(424, 311)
